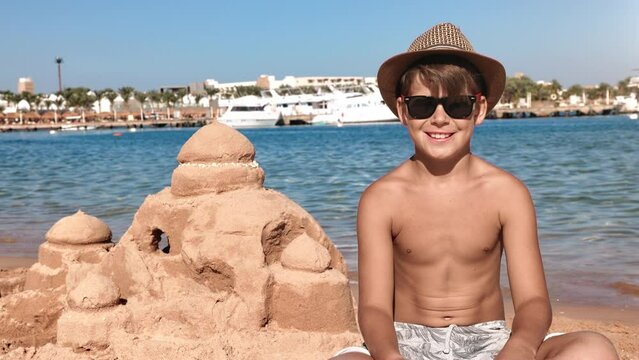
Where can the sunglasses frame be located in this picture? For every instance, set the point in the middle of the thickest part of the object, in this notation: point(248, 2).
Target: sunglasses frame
point(441, 101)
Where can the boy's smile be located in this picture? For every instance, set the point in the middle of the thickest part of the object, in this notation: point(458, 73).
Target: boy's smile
point(440, 136)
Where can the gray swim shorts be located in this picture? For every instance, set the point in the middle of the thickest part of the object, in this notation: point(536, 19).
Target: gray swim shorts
point(481, 341)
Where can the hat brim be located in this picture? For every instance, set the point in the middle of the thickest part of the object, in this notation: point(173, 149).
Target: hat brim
point(391, 71)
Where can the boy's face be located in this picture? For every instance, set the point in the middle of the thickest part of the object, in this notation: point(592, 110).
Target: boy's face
point(440, 136)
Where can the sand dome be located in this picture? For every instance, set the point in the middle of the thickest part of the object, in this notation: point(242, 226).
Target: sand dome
point(217, 143)
point(216, 159)
point(79, 229)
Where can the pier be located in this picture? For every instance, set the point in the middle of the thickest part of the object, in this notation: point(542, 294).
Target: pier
point(548, 110)
point(185, 122)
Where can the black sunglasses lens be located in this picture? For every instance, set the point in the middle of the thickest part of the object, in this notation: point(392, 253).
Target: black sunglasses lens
point(421, 107)
point(458, 107)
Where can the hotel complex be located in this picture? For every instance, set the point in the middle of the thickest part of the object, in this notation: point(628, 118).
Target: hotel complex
point(268, 82)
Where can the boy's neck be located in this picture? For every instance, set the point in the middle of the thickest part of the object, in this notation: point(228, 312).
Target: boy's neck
point(443, 169)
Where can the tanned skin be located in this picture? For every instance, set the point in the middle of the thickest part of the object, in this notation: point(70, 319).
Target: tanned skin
point(431, 234)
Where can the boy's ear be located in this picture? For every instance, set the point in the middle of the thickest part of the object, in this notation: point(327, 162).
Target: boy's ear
point(482, 107)
point(401, 110)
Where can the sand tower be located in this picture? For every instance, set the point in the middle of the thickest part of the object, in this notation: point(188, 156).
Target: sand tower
point(79, 238)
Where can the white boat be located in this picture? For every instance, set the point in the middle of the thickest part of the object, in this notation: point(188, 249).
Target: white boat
point(305, 104)
point(71, 127)
point(249, 111)
point(359, 109)
point(634, 116)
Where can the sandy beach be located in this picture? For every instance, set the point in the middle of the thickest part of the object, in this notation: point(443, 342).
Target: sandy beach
point(621, 325)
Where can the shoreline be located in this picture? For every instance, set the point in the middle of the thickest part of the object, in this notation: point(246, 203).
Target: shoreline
point(599, 312)
point(596, 312)
point(620, 325)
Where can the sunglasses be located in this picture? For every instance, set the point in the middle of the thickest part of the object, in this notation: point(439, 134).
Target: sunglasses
point(457, 107)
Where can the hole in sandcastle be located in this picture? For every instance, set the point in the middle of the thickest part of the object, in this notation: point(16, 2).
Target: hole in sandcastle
point(161, 241)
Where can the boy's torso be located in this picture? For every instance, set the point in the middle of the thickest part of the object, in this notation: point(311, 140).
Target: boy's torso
point(447, 248)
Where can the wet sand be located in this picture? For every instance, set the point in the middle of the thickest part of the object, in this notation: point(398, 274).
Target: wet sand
point(620, 325)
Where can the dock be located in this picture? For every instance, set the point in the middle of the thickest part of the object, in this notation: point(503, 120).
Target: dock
point(108, 124)
point(553, 111)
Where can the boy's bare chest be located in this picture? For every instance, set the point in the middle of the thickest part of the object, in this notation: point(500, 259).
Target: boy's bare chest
point(460, 225)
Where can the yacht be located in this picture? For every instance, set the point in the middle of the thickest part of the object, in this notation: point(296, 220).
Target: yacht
point(249, 111)
point(368, 107)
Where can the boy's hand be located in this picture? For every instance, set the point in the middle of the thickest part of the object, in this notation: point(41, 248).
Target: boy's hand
point(516, 351)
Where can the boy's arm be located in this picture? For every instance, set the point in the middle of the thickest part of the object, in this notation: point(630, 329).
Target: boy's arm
point(525, 274)
point(375, 260)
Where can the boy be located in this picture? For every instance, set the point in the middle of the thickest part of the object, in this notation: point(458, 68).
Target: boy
point(431, 232)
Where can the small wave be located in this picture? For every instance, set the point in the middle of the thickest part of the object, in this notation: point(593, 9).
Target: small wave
point(626, 288)
point(592, 238)
point(7, 240)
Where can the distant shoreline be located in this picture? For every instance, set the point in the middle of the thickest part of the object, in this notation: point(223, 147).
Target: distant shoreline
point(518, 114)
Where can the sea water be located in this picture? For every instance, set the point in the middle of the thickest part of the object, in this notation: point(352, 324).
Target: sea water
point(583, 174)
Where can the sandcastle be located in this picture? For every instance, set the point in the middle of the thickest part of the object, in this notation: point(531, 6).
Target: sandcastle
point(215, 267)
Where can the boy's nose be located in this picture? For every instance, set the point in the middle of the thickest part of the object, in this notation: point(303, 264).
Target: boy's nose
point(439, 116)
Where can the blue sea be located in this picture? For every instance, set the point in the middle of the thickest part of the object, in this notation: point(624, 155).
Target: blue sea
point(583, 174)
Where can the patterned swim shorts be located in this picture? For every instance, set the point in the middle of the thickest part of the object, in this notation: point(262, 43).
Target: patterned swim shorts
point(481, 341)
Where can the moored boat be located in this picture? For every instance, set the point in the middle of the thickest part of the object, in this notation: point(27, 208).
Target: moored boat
point(359, 109)
point(249, 111)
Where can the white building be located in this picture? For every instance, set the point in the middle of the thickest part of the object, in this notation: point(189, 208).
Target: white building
point(25, 84)
point(269, 82)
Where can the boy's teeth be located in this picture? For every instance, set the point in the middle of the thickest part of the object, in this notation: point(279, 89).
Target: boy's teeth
point(439, 136)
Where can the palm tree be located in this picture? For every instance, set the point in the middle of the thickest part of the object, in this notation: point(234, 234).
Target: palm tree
point(622, 86)
point(198, 97)
point(154, 97)
point(210, 91)
point(59, 101)
point(180, 94)
point(112, 95)
point(141, 97)
point(169, 98)
point(126, 92)
point(82, 98)
point(59, 61)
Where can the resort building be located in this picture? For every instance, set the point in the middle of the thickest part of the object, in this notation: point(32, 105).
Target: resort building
point(268, 82)
point(25, 84)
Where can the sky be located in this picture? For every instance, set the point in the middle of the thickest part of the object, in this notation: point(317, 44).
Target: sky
point(150, 44)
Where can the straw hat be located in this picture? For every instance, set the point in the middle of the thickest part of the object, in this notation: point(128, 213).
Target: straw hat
point(441, 39)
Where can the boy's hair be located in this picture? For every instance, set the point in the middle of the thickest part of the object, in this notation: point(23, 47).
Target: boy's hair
point(443, 74)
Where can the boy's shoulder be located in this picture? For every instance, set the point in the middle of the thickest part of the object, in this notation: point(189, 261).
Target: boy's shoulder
point(395, 181)
point(494, 176)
